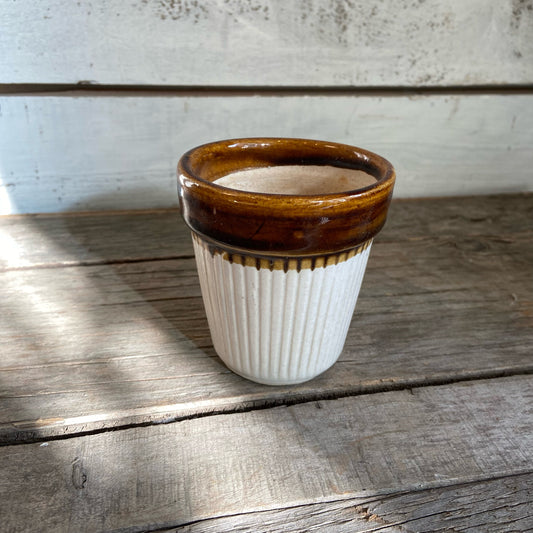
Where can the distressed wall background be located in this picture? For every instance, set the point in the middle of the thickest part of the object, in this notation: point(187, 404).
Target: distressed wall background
point(100, 98)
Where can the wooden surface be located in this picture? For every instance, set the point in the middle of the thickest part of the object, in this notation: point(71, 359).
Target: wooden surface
point(100, 316)
point(116, 414)
point(365, 448)
point(75, 152)
point(268, 42)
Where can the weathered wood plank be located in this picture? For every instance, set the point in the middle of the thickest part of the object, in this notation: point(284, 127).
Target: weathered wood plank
point(268, 42)
point(498, 505)
point(354, 448)
point(85, 239)
point(121, 152)
point(445, 297)
point(95, 238)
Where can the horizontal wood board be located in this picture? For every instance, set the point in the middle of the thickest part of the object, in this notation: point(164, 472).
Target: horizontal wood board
point(363, 448)
point(78, 153)
point(496, 506)
point(447, 296)
point(268, 42)
point(32, 241)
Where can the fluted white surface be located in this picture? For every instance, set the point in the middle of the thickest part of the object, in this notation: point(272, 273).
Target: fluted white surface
point(278, 327)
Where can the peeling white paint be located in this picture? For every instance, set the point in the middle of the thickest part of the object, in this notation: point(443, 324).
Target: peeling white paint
point(268, 42)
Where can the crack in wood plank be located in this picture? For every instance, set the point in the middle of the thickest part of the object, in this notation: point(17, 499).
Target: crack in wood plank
point(159, 415)
point(363, 507)
point(95, 262)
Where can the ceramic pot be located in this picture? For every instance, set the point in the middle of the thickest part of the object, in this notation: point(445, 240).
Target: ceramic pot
point(280, 273)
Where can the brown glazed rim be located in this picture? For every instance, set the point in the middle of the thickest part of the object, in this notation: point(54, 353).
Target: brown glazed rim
point(278, 224)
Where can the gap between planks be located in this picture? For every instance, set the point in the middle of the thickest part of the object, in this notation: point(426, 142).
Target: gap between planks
point(95, 262)
point(262, 405)
point(90, 88)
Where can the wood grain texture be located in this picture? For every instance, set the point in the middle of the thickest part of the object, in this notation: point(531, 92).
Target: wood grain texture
point(496, 506)
point(365, 447)
point(101, 152)
point(268, 42)
point(30, 241)
point(447, 296)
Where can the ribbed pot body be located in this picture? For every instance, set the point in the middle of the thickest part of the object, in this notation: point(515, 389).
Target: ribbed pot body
point(276, 324)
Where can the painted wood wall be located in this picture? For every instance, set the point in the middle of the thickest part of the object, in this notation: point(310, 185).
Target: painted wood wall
point(100, 98)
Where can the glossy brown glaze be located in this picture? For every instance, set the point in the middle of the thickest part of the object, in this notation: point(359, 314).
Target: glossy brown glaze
point(276, 224)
